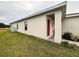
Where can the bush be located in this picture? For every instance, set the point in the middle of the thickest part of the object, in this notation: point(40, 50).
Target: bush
point(67, 35)
point(70, 36)
point(2, 25)
point(76, 38)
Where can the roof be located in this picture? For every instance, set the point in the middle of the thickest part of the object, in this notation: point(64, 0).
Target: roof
point(72, 15)
point(43, 11)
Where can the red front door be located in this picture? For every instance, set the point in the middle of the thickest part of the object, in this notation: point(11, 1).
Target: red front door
point(48, 27)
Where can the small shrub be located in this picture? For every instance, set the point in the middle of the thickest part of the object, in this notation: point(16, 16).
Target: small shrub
point(70, 36)
point(67, 35)
point(76, 38)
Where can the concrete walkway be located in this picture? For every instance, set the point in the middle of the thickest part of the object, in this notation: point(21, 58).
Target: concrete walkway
point(71, 42)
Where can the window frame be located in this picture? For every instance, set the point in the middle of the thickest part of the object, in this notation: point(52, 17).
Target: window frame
point(25, 25)
point(17, 26)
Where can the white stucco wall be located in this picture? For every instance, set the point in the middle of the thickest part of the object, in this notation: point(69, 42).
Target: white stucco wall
point(58, 26)
point(37, 26)
point(13, 27)
point(71, 25)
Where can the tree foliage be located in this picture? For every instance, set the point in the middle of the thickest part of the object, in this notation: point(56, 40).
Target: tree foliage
point(2, 25)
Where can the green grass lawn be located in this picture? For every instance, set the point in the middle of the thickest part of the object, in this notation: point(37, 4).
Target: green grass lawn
point(17, 44)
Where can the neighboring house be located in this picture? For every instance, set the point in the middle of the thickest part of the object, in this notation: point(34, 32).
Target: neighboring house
point(45, 24)
point(71, 23)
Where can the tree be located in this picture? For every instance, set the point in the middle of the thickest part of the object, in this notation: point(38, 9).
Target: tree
point(2, 25)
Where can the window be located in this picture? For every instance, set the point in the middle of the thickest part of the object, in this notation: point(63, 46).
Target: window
point(25, 24)
point(17, 26)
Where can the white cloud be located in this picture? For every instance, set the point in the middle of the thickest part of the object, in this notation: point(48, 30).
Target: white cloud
point(72, 7)
point(3, 18)
point(29, 6)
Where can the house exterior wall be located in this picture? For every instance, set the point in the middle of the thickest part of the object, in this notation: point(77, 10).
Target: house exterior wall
point(37, 26)
point(13, 27)
point(58, 26)
point(71, 25)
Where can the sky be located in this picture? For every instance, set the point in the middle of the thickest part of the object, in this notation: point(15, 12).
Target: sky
point(15, 10)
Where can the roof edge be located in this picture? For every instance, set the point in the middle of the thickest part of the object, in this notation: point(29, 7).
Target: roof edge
point(72, 15)
point(44, 10)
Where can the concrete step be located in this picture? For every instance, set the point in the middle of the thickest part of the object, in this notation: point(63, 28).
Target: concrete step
point(51, 38)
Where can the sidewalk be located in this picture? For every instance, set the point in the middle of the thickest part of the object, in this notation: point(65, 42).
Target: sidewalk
point(71, 42)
